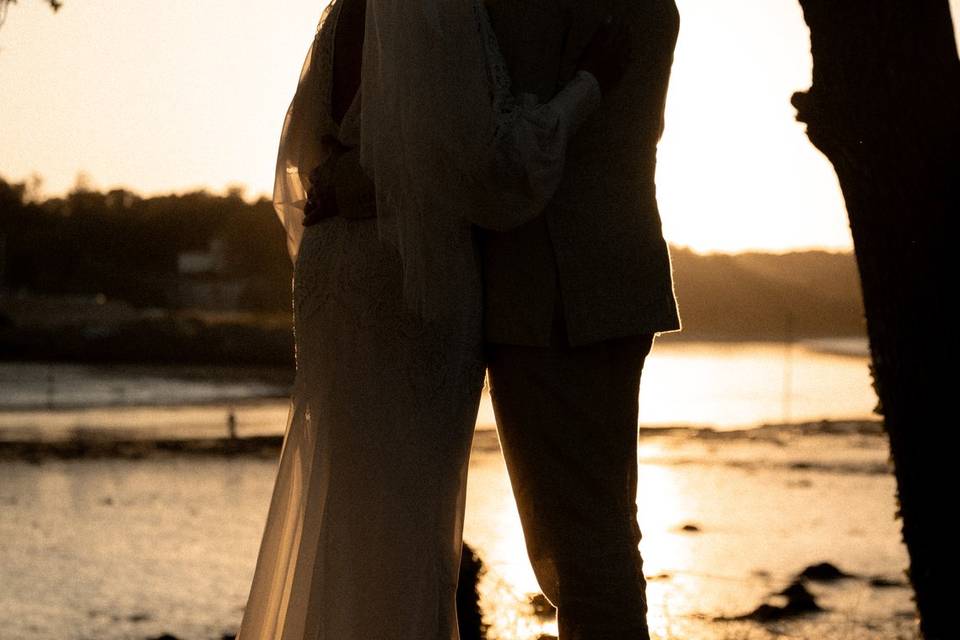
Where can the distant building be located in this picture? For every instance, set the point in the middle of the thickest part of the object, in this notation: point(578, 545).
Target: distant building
point(209, 262)
point(204, 279)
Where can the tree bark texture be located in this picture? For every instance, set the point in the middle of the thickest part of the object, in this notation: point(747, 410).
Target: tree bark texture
point(884, 107)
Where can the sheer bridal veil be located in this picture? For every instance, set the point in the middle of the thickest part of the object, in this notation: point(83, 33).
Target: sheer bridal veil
point(442, 137)
point(306, 122)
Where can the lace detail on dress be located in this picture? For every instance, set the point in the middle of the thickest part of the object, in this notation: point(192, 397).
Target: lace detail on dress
point(372, 475)
point(345, 272)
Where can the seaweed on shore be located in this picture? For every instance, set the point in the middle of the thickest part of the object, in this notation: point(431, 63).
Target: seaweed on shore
point(38, 451)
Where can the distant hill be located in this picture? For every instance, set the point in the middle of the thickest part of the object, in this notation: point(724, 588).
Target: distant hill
point(753, 296)
point(113, 275)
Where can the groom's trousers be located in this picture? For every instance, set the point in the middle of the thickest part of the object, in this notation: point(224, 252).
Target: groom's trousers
point(567, 422)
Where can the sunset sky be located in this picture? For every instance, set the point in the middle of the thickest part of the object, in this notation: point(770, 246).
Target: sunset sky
point(178, 95)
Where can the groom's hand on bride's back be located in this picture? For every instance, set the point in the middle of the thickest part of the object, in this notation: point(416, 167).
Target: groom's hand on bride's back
point(607, 54)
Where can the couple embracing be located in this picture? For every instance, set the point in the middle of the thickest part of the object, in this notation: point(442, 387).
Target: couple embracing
point(467, 187)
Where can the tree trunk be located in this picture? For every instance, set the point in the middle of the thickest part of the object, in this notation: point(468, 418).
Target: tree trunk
point(884, 107)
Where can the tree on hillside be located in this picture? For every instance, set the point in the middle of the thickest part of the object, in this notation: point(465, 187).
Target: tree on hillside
point(883, 108)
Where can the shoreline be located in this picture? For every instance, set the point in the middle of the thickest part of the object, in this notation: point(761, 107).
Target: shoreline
point(270, 352)
point(96, 448)
point(96, 445)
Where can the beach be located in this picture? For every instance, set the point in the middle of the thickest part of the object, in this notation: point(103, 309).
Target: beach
point(127, 511)
point(163, 540)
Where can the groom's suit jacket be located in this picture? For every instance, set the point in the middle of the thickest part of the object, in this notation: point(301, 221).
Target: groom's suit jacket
point(596, 259)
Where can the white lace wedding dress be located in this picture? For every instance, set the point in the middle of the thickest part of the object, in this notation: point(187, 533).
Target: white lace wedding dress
point(363, 533)
point(364, 528)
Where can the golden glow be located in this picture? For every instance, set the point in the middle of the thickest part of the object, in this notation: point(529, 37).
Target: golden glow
point(735, 170)
point(662, 507)
point(154, 96)
point(735, 384)
point(161, 96)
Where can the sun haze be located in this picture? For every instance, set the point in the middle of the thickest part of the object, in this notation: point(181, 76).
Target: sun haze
point(178, 95)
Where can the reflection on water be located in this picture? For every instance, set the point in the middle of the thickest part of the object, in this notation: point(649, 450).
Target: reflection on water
point(751, 383)
point(749, 530)
point(118, 549)
point(718, 384)
point(114, 549)
point(31, 385)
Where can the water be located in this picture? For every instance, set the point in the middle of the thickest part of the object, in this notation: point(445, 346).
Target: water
point(765, 509)
point(112, 549)
point(724, 385)
point(31, 385)
point(735, 384)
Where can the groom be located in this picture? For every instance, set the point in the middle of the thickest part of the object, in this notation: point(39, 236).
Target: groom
point(572, 302)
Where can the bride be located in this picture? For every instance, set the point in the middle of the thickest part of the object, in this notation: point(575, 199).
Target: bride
point(402, 134)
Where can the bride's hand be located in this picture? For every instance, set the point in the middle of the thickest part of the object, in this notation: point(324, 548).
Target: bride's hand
point(321, 196)
point(607, 54)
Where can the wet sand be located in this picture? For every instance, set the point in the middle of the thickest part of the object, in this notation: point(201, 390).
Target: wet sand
point(115, 539)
